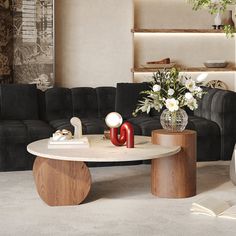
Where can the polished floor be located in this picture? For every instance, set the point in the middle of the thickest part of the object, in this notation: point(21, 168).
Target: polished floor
point(120, 203)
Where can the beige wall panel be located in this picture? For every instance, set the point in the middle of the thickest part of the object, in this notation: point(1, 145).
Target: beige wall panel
point(93, 42)
point(170, 14)
point(185, 49)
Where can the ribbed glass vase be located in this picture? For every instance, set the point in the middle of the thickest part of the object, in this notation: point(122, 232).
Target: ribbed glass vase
point(174, 121)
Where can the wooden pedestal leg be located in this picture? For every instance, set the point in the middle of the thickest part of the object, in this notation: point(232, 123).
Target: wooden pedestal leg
point(61, 183)
point(175, 176)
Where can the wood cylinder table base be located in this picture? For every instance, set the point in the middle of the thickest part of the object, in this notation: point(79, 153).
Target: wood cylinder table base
point(175, 176)
point(61, 183)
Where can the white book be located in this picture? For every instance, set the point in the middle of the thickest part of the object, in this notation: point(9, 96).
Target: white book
point(214, 207)
point(69, 144)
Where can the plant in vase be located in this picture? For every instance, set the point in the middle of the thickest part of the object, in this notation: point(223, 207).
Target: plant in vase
point(216, 7)
point(169, 89)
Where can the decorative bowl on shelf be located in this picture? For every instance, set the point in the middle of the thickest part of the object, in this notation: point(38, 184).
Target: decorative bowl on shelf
point(215, 64)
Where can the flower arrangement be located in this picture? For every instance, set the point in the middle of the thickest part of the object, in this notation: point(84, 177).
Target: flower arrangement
point(169, 89)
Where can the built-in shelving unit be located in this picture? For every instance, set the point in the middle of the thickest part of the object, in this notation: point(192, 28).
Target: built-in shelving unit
point(176, 31)
point(188, 39)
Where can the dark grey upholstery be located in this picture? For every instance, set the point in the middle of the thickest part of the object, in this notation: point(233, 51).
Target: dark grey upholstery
point(127, 96)
point(58, 104)
point(28, 114)
point(219, 106)
point(106, 100)
point(85, 102)
point(18, 102)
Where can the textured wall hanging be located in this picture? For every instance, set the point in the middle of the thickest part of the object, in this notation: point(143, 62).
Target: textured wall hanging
point(33, 60)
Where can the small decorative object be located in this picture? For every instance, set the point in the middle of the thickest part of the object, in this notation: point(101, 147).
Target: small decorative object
point(217, 21)
point(217, 84)
point(76, 122)
point(169, 89)
point(62, 135)
point(114, 121)
point(215, 64)
point(64, 139)
point(229, 18)
point(106, 134)
point(163, 63)
point(174, 121)
point(233, 167)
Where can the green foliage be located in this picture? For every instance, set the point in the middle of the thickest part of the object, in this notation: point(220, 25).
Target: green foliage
point(229, 30)
point(215, 6)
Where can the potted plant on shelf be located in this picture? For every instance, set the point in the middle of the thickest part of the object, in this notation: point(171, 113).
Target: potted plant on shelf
point(216, 7)
point(169, 89)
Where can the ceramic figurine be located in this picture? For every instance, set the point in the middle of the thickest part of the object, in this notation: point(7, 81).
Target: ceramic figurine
point(62, 135)
point(76, 122)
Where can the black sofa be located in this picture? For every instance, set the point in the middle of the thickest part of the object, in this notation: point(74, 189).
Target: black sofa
point(28, 114)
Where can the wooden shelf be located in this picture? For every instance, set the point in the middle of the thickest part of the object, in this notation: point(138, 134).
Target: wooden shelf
point(176, 31)
point(187, 69)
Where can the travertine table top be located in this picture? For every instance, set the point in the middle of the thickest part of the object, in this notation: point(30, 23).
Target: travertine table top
point(102, 150)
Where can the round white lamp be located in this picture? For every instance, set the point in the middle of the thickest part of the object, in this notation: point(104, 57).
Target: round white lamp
point(114, 120)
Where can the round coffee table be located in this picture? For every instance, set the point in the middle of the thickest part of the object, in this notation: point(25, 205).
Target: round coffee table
point(62, 177)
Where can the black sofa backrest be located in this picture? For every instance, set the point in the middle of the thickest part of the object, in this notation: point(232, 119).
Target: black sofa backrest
point(106, 100)
point(127, 97)
point(83, 102)
point(19, 102)
point(58, 104)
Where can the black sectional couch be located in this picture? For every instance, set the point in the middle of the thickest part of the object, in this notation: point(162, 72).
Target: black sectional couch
point(28, 114)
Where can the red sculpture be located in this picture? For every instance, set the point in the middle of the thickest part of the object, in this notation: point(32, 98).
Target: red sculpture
point(114, 120)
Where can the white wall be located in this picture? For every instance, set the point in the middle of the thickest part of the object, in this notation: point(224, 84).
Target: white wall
point(93, 42)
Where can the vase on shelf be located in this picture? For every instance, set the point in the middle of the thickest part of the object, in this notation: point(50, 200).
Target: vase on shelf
point(229, 18)
point(217, 20)
point(174, 121)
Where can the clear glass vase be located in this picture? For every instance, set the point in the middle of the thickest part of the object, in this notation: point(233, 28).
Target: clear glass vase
point(174, 121)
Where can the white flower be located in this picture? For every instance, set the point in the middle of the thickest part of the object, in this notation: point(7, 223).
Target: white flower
point(172, 104)
point(188, 96)
point(156, 88)
point(202, 77)
point(145, 106)
point(198, 89)
point(190, 85)
point(192, 104)
point(171, 92)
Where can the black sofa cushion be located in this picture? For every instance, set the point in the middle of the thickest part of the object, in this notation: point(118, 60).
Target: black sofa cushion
point(58, 104)
point(144, 125)
point(208, 138)
point(106, 100)
point(127, 97)
point(13, 132)
point(37, 129)
point(85, 102)
point(19, 102)
point(23, 132)
point(93, 125)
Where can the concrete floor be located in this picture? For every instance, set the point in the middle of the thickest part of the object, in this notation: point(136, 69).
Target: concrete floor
point(120, 203)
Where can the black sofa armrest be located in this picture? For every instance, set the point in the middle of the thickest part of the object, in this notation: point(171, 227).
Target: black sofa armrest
point(220, 106)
